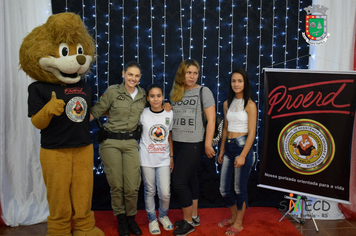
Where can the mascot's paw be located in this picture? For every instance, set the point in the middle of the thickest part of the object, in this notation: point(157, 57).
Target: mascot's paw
point(55, 105)
point(94, 232)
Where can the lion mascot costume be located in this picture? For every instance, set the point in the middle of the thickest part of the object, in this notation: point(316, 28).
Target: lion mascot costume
point(56, 55)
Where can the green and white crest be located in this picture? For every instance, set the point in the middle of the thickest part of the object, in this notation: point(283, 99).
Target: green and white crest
point(315, 25)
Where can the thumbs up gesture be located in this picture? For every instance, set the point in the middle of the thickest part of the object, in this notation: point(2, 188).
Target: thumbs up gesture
point(55, 106)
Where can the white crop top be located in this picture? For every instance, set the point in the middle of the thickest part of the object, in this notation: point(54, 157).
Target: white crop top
point(237, 117)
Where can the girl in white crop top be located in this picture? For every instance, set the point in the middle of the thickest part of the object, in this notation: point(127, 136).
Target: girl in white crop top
point(237, 117)
point(236, 154)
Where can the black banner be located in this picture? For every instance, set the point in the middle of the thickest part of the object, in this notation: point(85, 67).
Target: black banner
point(307, 133)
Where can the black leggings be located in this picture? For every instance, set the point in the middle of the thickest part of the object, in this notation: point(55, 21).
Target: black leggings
point(184, 177)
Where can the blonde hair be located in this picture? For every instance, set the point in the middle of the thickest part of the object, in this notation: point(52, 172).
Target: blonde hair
point(179, 83)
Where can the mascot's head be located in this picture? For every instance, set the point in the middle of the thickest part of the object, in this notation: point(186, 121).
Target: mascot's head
point(59, 51)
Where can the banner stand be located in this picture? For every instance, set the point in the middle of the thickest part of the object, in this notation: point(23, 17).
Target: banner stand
point(303, 199)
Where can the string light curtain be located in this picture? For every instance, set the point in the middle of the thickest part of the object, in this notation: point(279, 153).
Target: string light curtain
point(219, 34)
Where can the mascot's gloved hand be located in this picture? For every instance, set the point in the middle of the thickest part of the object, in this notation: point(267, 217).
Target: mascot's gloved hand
point(54, 107)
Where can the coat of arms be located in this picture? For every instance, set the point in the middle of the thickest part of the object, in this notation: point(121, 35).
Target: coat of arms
point(315, 25)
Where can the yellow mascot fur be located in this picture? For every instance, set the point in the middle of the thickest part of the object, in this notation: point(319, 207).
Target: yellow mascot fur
point(56, 55)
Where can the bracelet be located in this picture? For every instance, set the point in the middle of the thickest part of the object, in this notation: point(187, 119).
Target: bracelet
point(171, 156)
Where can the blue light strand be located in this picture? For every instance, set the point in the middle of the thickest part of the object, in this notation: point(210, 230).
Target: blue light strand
point(273, 36)
point(246, 53)
point(259, 84)
point(83, 18)
point(181, 27)
point(285, 35)
point(96, 51)
point(232, 36)
point(218, 69)
point(83, 11)
point(151, 36)
point(218, 62)
point(203, 45)
point(164, 45)
point(123, 33)
point(298, 29)
point(190, 28)
point(108, 42)
point(137, 33)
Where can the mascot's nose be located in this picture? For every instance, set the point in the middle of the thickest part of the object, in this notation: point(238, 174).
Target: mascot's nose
point(81, 59)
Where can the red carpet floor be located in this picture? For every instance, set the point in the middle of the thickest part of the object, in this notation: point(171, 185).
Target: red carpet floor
point(258, 221)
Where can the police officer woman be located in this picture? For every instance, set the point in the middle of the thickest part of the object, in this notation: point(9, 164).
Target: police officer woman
point(119, 152)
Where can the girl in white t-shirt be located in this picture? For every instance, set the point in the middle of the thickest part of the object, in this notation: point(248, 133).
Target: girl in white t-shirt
point(156, 155)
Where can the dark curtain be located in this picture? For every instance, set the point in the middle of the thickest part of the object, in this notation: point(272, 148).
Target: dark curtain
point(252, 34)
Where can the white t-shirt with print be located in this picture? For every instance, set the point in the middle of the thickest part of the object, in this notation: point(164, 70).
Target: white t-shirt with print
point(154, 145)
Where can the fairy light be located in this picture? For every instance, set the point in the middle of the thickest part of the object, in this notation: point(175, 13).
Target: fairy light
point(258, 83)
point(107, 72)
point(232, 36)
point(164, 44)
point(98, 170)
point(285, 35)
point(190, 28)
point(181, 15)
point(298, 23)
point(96, 50)
point(151, 36)
point(137, 32)
point(84, 18)
point(218, 59)
point(273, 27)
point(83, 11)
point(246, 53)
point(203, 45)
point(123, 33)
point(218, 68)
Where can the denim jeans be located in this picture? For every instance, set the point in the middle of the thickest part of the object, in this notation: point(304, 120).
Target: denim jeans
point(236, 178)
point(159, 177)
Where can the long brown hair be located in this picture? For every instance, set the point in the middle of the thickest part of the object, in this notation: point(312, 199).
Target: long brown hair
point(178, 88)
point(247, 90)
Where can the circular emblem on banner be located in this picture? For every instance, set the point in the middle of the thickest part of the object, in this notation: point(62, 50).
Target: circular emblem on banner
point(158, 133)
point(76, 109)
point(306, 146)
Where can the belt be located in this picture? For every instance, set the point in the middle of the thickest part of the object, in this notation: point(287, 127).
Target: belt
point(112, 135)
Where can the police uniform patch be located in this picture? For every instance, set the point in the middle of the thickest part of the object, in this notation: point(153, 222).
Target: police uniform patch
point(121, 98)
point(76, 109)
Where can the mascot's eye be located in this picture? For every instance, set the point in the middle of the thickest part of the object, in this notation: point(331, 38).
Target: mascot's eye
point(63, 50)
point(80, 49)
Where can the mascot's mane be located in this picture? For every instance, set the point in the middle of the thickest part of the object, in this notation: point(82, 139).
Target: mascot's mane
point(44, 41)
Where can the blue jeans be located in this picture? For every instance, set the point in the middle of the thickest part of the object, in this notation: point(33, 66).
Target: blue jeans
point(236, 178)
point(159, 177)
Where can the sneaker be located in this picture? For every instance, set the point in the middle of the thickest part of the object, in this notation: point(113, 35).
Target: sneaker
point(184, 229)
point(154, 227)
point(196, 222)
point(166, 223)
